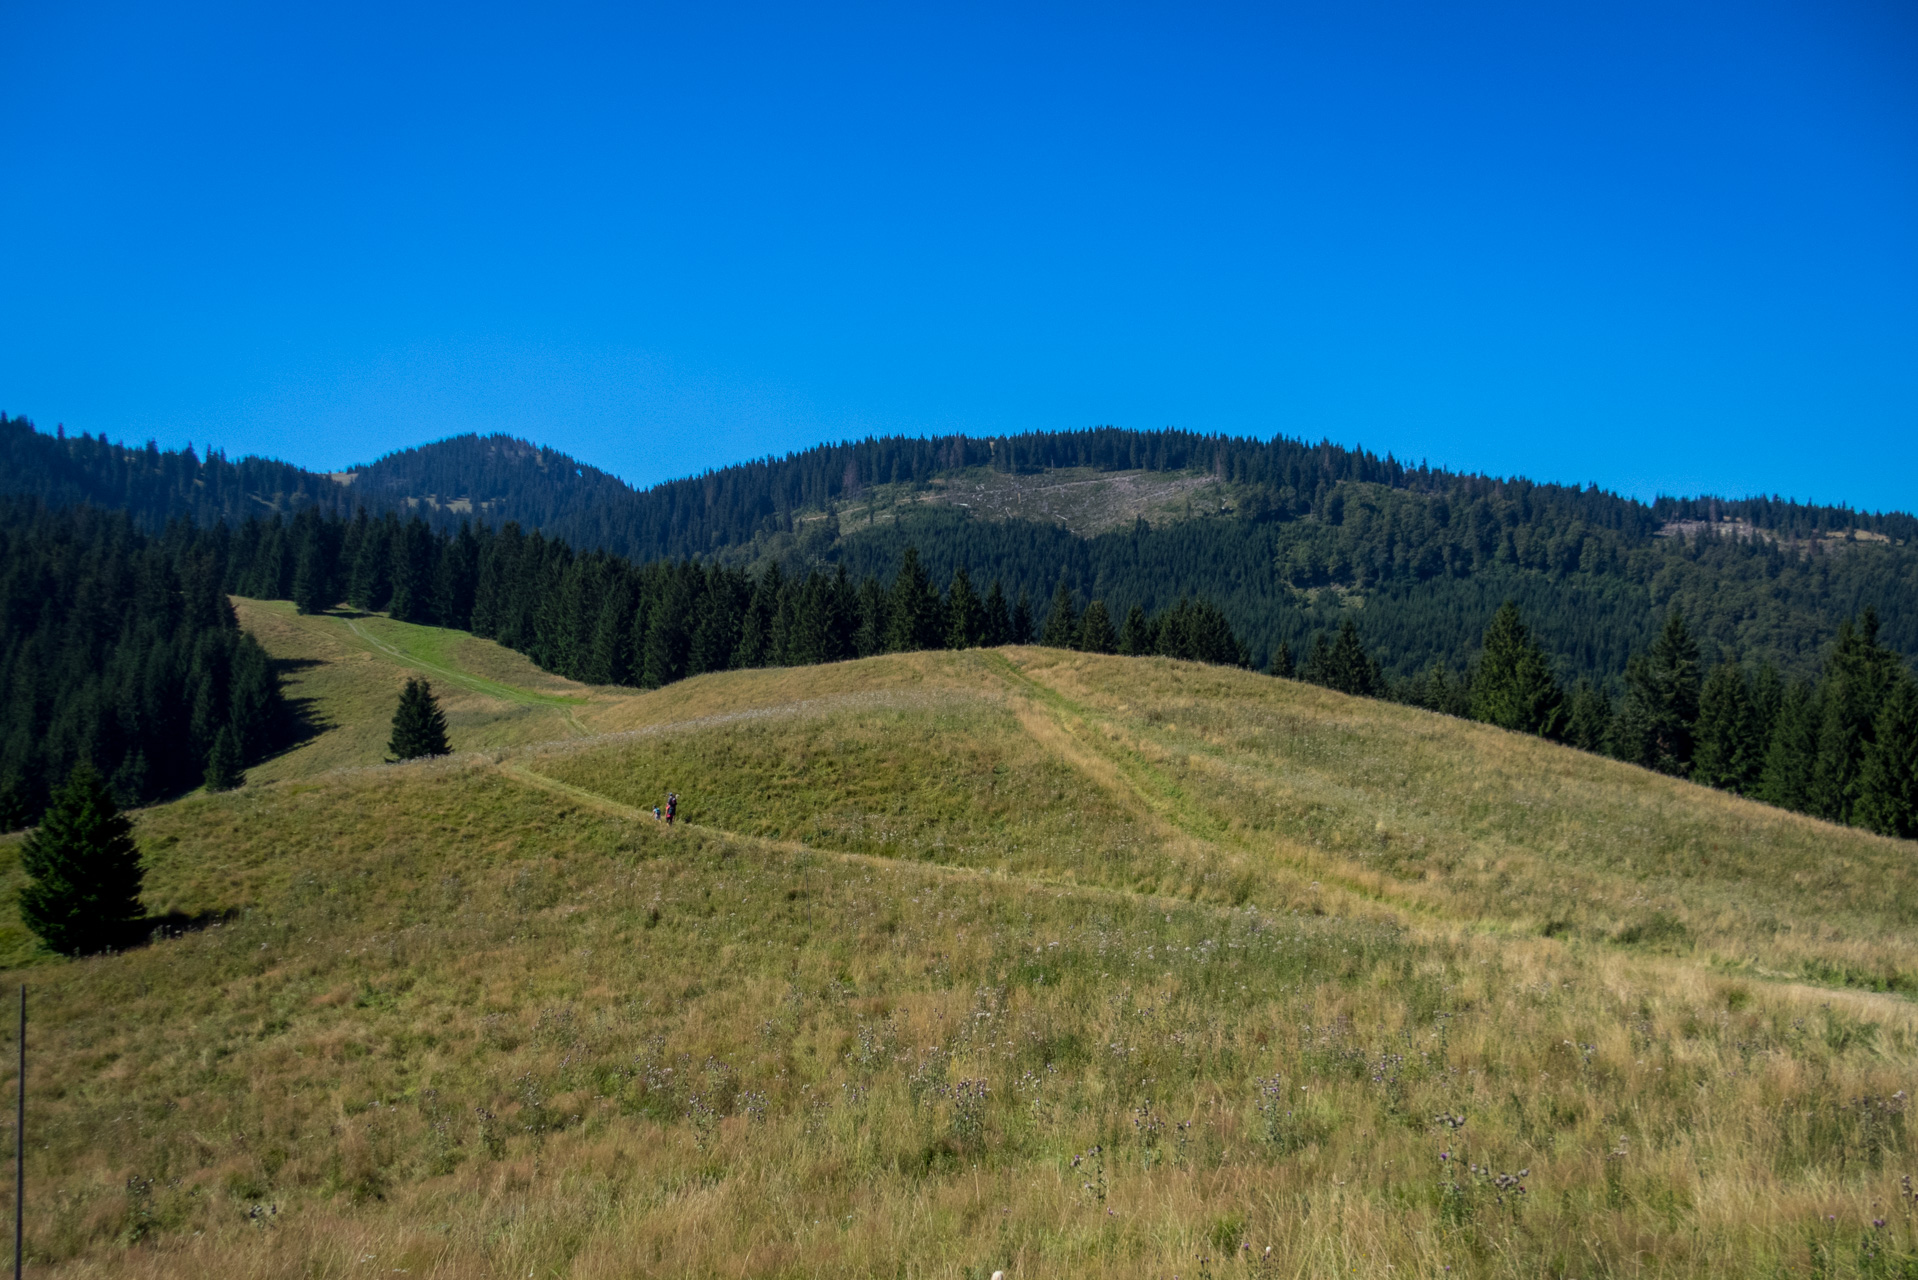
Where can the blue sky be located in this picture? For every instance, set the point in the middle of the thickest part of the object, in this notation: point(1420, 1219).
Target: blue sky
point(1669, 248)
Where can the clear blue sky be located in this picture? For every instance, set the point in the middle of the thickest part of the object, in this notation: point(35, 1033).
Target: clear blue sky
point(1667, 247)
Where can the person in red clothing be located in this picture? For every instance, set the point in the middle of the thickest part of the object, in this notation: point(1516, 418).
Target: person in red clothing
point(672, 806)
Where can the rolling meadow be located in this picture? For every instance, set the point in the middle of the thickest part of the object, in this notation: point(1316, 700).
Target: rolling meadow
point(1018, 959)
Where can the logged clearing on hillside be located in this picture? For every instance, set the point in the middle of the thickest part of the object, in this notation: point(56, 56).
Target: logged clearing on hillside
point(1017, 959)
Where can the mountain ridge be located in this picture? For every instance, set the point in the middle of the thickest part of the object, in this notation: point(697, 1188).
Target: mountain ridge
point(1289, 538)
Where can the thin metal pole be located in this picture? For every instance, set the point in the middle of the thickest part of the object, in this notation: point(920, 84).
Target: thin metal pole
point(20, 1141)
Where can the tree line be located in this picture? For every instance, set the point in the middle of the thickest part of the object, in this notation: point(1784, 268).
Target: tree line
point(605, 620)
point(1418, 558)
point(120, 651)
point(1841, 745)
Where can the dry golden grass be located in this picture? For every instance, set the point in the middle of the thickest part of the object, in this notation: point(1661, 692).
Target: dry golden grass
point(1058, 964)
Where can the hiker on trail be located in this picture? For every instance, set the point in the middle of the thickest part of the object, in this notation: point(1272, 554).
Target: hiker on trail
point(655, 813)
point(672, 806)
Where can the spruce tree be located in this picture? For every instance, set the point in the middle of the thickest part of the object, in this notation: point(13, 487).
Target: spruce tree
point(1283, 664)
point(223, 772)
point(1725, 751)
point(1834, 771)
point(998, 620)
point(871, 635)
point(1588, 720)
point(311, 584)
point(1656, 724)
point(811, 640)
point(756, 628)
point(965, 614)
point(915, 614)
point(1344, 665)
point(1021, 632)
point(1888, 782)
point(1135, 638)
point(83, 870)
point(1514, 687)
point(1062, 620)
point(1858, 677)
point(1793, 751)
point(419, 727)
point(1095, 630)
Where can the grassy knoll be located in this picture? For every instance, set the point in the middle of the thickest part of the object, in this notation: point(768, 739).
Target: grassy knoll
point(345, 673)
point(1052, 963)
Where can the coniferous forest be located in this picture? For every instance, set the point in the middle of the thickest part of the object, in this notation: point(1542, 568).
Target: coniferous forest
point(1309, 536)
point(120, 651)
point(1755, 649)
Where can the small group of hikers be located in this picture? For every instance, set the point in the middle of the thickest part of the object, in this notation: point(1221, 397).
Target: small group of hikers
point(672, 808)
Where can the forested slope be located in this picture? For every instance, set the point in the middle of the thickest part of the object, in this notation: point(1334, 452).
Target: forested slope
point(120, 651)
point(1290, 539)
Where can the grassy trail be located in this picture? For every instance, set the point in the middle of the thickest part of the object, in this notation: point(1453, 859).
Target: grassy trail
point(424, 648)
point(1147, 788)
point(793, 848)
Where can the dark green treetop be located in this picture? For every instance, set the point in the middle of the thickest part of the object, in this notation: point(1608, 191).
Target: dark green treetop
point(1514, 687)
point(1655, 725)
point(1343, 664)
point(1136, 636)
point(1062, 620)
point(1888, 782)
point(1095, 630)
point(1727, 750)
point(419, 727)
point(223, 772)
point(83, 870)
point(965, 613)
point(915, 614)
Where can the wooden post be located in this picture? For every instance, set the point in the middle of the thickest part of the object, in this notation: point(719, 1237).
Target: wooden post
point(20, 1141)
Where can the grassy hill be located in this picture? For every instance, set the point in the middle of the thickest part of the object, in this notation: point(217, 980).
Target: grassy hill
point(1020, 959)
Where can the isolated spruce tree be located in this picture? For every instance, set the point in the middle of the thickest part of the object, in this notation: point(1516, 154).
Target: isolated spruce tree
point(1062, 620)
point(223, 772)
point(83, 870)
point(1095, 630)
point(1888, 782)
point(1514, 687)
point(419, 728)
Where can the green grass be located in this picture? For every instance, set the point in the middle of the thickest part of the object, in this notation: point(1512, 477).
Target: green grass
point(437, 651)
point(345, 672)
point(1051, 963)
